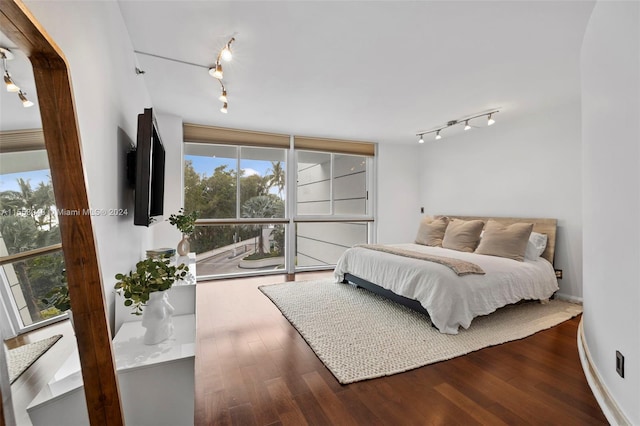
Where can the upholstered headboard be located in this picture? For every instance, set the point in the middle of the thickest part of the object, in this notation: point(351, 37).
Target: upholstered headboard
point(540, 225)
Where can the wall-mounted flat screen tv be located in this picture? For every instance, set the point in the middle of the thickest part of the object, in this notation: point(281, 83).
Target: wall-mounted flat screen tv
point(146, 169)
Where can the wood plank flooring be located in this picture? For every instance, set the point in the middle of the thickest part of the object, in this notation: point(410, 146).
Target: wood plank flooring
point(253, 368)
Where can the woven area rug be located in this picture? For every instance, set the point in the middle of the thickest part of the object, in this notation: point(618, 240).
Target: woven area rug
point(21, 358)
point(359, 335)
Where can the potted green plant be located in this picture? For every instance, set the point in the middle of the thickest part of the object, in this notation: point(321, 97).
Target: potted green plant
point(151, 275)
point(58, 297)
point(186, 223)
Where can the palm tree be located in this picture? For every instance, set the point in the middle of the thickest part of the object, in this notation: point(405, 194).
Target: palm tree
point(28, 231)
point(277, 177)
point(262, 206)
point(20, 235)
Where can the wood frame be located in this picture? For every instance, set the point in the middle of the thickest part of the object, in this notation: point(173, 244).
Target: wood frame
point(541, 225)
point(62, 140)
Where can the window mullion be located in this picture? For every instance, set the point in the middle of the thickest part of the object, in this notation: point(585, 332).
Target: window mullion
point(291, 207)
point(331, 162)
point(238, 172)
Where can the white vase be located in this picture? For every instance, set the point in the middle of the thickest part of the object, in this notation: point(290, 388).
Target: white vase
point(156, 318)
point(184, 246)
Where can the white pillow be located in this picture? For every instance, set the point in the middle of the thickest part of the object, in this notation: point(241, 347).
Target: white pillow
point(535, 246)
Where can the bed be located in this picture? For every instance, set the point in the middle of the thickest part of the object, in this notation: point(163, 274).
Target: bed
point(452, 301)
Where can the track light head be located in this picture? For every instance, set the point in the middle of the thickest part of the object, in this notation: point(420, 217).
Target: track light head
point(25, 102)
point(223, 96)
point(11, 86)
point(226, 53)
point(466, 125)
point(490, 120)
point(438, 137)
point(6, 54)
point(224, 108)
point(421, 140)
point(216, 71)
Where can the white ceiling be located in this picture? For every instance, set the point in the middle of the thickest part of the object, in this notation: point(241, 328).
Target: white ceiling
point(379, 71)
point(364, 70)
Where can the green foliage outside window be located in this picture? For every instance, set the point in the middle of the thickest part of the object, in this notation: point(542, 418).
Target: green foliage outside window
point(27, 222)
point(214, 197)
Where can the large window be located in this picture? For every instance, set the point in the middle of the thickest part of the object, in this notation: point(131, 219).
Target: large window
point(32, 263)
point(268, 206)
point(246, 185)
point(330, 186)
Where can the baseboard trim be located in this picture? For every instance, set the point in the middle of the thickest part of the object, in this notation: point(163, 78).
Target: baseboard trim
point(608, 405)
point(569, 298)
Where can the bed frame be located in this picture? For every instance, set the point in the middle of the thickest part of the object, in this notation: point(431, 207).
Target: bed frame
point(541, 225)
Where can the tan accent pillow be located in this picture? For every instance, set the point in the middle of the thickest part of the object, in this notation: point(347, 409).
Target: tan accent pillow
point(508, 241)
point(462, 235)
point(431, 231)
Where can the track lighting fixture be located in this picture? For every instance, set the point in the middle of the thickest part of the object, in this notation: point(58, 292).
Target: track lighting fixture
point(465, 120)
point(216, 71)
point(25, 102)
point(11, 86)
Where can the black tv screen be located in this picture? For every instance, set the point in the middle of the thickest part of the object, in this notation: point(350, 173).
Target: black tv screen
point(149, 171)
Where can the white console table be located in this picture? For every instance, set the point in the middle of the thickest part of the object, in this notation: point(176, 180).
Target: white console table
point(156, 381)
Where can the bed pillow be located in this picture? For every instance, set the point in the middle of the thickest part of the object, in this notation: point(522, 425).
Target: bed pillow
point(535, 246)
point(508, 241)
point(431, 231)
point(462, 235)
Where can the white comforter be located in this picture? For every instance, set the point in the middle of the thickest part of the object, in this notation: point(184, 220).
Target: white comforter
point(451, 301)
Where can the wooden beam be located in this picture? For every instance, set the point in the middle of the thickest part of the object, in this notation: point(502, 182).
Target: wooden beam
point(62, 140)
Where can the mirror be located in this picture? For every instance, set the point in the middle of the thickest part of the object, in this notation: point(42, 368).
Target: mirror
point(62, 141)
point(32, 285)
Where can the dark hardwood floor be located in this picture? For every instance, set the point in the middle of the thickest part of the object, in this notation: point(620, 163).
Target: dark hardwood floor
point(253, 368)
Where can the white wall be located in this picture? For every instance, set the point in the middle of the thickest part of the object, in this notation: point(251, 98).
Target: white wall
point(611, 196)
point(398, 197)
point(524, 166)
point(108, 98)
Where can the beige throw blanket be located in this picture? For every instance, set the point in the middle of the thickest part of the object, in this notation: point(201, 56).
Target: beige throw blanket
point(460, 267)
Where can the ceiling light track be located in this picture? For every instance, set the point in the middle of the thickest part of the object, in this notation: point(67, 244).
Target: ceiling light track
point(153, 55)
point(225, 54)
point(465, 121)
point(7, 55)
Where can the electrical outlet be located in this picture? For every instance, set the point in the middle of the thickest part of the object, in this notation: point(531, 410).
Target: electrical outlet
point(559, 274)
point(421, 209)
point(620, 364)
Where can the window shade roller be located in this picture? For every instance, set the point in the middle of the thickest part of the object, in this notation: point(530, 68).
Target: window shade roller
point(225, 136)
point(334, 145)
